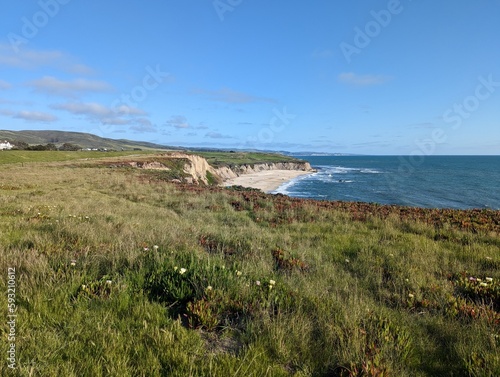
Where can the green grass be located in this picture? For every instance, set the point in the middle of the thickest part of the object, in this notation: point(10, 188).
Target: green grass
point(117, 275)
point(218, 159)
point(13, 156)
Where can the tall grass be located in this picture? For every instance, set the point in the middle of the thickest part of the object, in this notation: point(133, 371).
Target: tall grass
point(121, 275)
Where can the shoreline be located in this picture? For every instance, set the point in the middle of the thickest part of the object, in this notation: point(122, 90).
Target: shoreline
point(266, 180)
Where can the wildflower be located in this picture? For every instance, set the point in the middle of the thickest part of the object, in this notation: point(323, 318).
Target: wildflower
point(411, 295)
point(483, 284)
point(209, 288)
point(108, 281)
point(73, 263)
point(489, 258)
point(84, 286)
point(272, 282)
point(257, 282)
point(155, 247)
point(478, 280)
point(347, 260)
point(391, 255)
point(182, 270)
point(146, 248)
point(238, 273)
point(472, 278)
point(489, 280)
point(175, 268)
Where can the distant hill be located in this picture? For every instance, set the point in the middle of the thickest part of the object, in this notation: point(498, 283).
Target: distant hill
point(82, 139)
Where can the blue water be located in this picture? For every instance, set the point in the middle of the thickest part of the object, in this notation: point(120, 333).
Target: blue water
point(460, 182)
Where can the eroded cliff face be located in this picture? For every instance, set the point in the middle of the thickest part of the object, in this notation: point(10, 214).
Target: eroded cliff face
point(237, 170)
point(196, 166)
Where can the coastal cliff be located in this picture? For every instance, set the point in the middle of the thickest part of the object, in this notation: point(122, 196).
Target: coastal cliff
point(228, 172)
point(200, 170)
point(192, 168)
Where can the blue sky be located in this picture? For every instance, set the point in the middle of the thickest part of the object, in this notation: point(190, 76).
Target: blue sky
point(379, 77)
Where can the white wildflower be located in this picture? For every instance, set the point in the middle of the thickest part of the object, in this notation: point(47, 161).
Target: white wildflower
point(108, 281)
point(238, 273)
point(257, 282)
point(411, 295)
point(489, 280)
point(182, 271)
point(272, 282)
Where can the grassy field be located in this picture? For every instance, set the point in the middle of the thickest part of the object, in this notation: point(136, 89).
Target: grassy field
point(13, 156)
point(117, 273)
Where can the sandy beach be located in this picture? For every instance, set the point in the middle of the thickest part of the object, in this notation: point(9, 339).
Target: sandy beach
point(266, 180)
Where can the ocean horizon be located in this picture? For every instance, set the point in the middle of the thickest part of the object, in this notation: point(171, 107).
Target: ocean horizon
point(458, 182)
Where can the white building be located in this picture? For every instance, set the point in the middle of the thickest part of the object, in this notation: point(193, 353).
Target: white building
point(5, 145)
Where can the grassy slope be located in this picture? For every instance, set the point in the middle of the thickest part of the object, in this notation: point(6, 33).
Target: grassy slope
point(13, 157)
point(379, 295)
point(82, 139)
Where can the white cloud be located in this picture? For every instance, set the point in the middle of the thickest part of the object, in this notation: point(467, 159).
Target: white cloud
point(143, 125)
point(89, 109)
point(30, 116)
point(51, 85)
point(4, 85)
point(97, 110)
point(122, 115)
point(32, 59)
point(362, 80)
point(217, 135)
point(178, 121)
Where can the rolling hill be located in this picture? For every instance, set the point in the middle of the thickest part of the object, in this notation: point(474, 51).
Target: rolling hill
point(84, 140)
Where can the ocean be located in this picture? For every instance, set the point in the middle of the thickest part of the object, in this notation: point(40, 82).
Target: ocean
point(460, 182)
